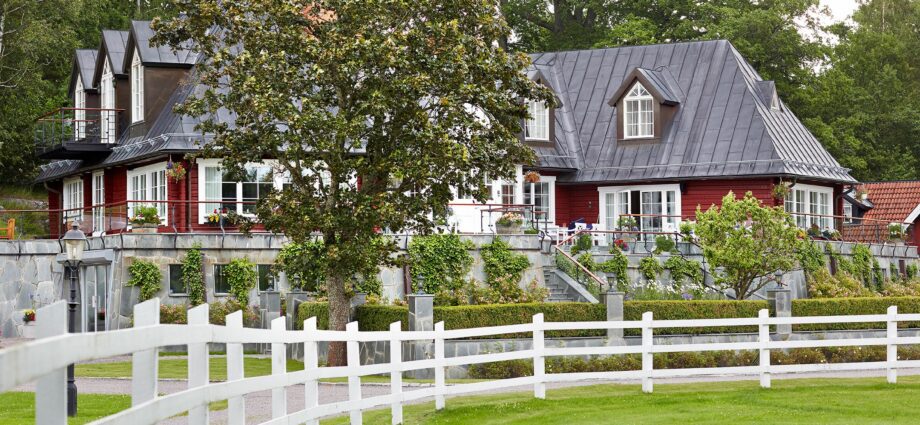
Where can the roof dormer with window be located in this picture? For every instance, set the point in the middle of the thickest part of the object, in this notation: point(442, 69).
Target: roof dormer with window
point(645, 104)
point(137, 88)
point(540, 125)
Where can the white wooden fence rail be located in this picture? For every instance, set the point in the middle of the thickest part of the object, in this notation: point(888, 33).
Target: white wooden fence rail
point(44, 360)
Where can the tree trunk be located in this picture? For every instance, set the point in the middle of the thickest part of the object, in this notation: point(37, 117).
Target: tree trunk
point(338, 316)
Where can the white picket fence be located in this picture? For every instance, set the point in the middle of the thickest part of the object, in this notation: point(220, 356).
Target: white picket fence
point(44, 360)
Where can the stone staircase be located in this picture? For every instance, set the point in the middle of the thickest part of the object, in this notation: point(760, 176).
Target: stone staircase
point(557, 289)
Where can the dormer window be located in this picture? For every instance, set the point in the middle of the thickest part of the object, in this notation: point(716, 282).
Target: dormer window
point(639, 113)
point(537, 126)
point(79, 113)
point(107, 98)
point(137, 89)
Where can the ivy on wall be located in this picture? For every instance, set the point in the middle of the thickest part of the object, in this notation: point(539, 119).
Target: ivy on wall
point(192, 275)
point(145, 275)
point(241, 277)
point(443, 260)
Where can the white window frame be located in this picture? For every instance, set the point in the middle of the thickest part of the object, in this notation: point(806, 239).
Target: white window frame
point(137, 88)
point(206, 206)
point(667, 223)
point(79, 113)
point(550, 217)
point(155, 188)
point(847, 212)
point(800, 200)
point(73, 199)
point(107, 105)
point(536, 127)
point(638, 113)
point(98, 187)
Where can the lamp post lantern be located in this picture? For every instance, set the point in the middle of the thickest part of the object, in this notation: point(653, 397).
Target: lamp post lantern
point(74, 244)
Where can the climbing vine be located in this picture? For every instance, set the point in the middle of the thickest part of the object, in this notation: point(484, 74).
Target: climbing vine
point(241, 277)
point(145, 275)
point(443, 260)
point(617, 265)
point(192, 276)
point(500, 263)
point(650, 268)
point(684, 270)
point(810, 256)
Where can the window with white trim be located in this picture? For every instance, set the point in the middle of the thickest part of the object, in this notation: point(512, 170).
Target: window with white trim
point(638, 113)
point(147, 186)
point(137, 89)
point(79, 113)
point(654, 208)
point(810, 206)
point(847, 212)
point(107, 101)
point(98, 201)
point(224, 194)
point(537, 124)
point(73, 200)
point(543, 198)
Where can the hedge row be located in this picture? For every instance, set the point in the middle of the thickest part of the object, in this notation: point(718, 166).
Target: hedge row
point(853, 306)
point(378, 317)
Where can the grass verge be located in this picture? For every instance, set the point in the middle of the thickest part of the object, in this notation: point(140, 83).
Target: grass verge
point(19, 408)
point(178, 368)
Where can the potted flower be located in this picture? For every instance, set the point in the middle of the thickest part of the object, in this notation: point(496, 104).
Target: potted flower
point(175, 171)
point(146, 219)
point(781, 190)
point(28, 316)
point(621, 244)
point(509, 222)
point(218, 218)
point(532, 177)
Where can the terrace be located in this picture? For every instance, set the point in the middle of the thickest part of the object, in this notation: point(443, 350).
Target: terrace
point(77, 133)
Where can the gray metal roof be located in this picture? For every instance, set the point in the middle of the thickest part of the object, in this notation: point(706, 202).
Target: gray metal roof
point(85, 65)
point(721, 126)
point(114, 44)
point(141, 33)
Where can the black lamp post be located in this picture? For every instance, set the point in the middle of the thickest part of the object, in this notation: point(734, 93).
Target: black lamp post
point(74, 244)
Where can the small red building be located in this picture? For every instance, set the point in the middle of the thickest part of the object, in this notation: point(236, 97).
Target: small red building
point(655, 130)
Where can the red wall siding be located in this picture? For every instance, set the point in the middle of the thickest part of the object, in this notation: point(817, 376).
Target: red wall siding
point(576, 201)
point(54, 203)
point(705, 193)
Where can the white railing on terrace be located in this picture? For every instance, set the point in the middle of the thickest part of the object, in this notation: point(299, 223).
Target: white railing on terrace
point(44, 360)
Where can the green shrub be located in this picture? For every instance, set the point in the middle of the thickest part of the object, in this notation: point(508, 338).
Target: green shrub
point(241, 276)
point(664, 244)
point(583, 243)
point(821, 284)
point(311, 309)
point(911, 270)
point(442, 259)
point(863, 261)
point(650, 268)
point(145, 214)
point(145, 275)
point(810, 256)
point(501, 263)
point(192, 276)
point(685, 271)
point(702, 309)
point(217, 313)
point(379, 317)
point(618, 266)
point(852, 306)
point(303, 264)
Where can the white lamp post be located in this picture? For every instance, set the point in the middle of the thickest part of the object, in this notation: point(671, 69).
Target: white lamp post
point(74, 245)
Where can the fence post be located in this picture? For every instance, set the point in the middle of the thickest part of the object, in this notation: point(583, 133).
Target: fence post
point(439, 366)
point(144, 363)
point(539, 362)
point(647, 359)
point(310, 364)
point(764, 339)
point(236, 408)
point(198, 364)
point(51, 389)
point(354, 362)
point(396, 374)
point(782, 304)
point(892, 344)
point(279, 368)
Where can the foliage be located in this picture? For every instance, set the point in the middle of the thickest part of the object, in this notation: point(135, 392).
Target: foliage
point(193, 276)
point(583, 243)
point(303, 264)
point(145, 275)
point(617, 265)
point(911, 270)
point(346, 76)
point(241, 276)
point(685, 271)
point(906, 288)
point(862, 263)
point(145, 214)
point(650, 268)
point(501, 263)
point(626, 222)
point(664, 244)
point(810, 256)
point(896, 232)
point(821, 284)
point(320, 310)
point(217, 313)
point(745, 242)
point(853, 306)
point(443, 260)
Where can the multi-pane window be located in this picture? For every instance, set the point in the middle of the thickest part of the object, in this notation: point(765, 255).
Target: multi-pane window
point(537, 124)
point(538, 195)
point(176, 286)
point(653, 208)
point(847, 212)
point(73, 200)
point(98, 202)
point(225, 193)
point(221, 286)
point(508, 193)
point(79, 114)
point(107, 98)
point(638, 113)
point(137, 88)
point(266, 278)
point(810, 205)
point(147, 186)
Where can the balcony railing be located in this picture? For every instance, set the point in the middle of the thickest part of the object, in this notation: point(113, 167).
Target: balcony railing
point(76, 130)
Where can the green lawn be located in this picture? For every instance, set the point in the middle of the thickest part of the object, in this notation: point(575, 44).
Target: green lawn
point(812, 401)
point(178, 368)
point(19, 408)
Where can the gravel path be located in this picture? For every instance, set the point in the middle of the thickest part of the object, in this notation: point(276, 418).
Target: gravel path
point(258, 405)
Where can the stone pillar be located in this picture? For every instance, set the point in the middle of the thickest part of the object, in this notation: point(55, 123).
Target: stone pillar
point(614, 303)
point(270, 301)
point(359, 299)
point(293, 300)
point(781, 300)
point(421, 312)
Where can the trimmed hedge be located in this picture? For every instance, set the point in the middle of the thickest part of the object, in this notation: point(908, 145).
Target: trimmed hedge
point(852, 306)
point(379, 317)
point(308, 310)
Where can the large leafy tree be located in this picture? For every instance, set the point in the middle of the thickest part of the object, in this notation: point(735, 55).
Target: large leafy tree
point(745, 243)
point(374, 109)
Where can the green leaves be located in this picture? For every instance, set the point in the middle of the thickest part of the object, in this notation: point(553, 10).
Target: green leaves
point(145, 275)
point(443, 260)
point(192, 275)
point(241, 275)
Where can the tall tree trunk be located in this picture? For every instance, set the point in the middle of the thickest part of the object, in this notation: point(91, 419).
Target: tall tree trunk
point(338, 315)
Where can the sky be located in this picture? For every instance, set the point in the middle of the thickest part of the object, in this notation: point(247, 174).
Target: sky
point(840, 9)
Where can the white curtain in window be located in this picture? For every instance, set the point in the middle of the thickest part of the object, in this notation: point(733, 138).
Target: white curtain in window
point(537, 127)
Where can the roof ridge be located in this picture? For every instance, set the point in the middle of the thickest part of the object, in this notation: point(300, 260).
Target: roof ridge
point(632, 46)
